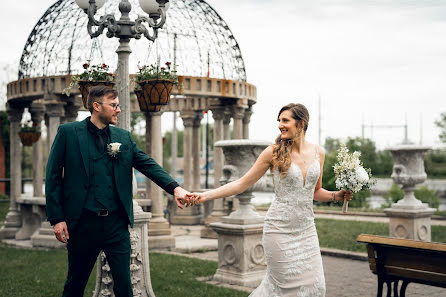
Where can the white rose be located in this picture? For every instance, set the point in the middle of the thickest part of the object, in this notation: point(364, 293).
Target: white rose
point(113, 149)
point(362, 175)
point(114, 146)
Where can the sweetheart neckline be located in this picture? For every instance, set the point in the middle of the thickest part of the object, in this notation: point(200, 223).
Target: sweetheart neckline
point(304, 179)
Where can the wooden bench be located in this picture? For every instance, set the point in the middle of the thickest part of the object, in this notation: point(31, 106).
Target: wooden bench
point(394, 260)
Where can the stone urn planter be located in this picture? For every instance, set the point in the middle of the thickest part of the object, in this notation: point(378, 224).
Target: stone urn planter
point(86, 85)
point(155, 92)
point(409, 218)
point(29, 138)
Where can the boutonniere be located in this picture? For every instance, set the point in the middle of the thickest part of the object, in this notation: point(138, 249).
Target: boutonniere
point(113, 149)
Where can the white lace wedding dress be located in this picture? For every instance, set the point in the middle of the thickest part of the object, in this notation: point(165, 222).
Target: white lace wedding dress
point(293, 258)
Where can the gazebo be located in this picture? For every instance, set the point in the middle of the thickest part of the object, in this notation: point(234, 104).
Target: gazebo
point(212, 78)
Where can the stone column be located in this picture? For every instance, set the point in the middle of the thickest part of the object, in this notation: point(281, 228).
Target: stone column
point(148, 149)
point(238, 114)
point(71, 110)
point(174, 149)
point(196, 151)
point(188, 122)
point(160, 236)
point(218, 206)
point(226, 120)
point(37, 111)
point(13, 218)
point(246, 120)
point(189, 215)
point(54, 110)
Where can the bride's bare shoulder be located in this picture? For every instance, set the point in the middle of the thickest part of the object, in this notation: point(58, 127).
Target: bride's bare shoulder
point(319, 149)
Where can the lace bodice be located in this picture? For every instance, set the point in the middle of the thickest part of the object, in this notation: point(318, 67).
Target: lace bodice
point(292, 207)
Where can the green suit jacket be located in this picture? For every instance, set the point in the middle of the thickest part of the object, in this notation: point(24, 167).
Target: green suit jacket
point(67, 174)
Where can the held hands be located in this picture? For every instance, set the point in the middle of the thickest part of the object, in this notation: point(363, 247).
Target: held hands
point(61, 232)
point(192, 199)
point(180, 196)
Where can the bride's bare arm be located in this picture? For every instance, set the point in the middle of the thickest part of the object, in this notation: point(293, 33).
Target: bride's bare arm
point(238, 186)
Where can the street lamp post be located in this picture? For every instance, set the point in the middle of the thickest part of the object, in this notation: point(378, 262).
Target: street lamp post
point(125, 29)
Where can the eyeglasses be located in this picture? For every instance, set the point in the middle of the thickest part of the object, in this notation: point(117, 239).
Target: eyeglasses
point(113, 105)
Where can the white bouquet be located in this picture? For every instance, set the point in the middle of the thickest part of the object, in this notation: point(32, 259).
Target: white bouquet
point(350, 174)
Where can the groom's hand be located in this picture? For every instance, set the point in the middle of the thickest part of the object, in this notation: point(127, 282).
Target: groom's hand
point(61, 232)
point(180, 196)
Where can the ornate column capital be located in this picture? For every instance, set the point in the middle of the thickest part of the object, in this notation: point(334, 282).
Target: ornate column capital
point(55, 109)
point(247, 117)
point(14, 113)
point(188, 118)
point(238, 112)
point(227, 115)
point(37, 111)
point(197, 119)
point(217, 112)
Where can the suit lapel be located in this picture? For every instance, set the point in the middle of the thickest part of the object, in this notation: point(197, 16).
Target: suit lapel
point(82, 136)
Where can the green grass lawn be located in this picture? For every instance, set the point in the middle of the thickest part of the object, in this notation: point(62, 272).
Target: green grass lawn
point(41, 273)
point(342, 235)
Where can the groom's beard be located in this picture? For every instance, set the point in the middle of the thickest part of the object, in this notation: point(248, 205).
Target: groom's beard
point(108, 119)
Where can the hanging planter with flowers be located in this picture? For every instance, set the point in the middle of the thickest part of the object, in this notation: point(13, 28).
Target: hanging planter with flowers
point(94, 75)
point(154, 86)
point(29, 133)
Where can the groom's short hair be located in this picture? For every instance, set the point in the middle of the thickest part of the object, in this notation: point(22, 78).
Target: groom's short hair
point(97, 93)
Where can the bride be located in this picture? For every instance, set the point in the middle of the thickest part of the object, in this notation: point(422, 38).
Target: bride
point(293, 258)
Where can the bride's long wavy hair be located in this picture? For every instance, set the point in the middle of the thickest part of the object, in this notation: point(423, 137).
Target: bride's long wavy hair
point(282, 148)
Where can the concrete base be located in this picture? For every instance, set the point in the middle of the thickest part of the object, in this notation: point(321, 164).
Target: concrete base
point(13, 222)
point(241, 257)
point(161, 242)
point(248, 279)
point(207, 231)
point(185, 219)
point(44, 237)
point(412, 224)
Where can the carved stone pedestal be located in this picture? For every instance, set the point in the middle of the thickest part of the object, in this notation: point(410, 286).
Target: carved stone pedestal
point(410, 224)
point(13, 223)
point(139, 261)
point(241, 258)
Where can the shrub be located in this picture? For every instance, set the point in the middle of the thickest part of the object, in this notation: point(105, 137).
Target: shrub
point(428, 196)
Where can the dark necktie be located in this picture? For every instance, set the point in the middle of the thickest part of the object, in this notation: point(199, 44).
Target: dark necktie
point(101, 140)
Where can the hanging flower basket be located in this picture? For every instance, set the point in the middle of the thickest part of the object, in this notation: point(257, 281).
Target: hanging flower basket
point(155, 92)
point(143, 103)
point(85, 85)
point(28, 138)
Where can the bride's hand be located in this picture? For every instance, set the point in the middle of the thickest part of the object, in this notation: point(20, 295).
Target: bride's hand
point(195, 198)
point(342, 195)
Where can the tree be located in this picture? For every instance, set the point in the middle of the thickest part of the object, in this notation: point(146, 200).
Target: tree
point(441, 123)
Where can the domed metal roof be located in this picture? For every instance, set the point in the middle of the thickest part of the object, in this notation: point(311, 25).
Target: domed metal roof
point(194, 34)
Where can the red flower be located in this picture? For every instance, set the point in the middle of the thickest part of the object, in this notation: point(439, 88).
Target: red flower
point(86, 65)
point(35, 124)
point(168, 64)
point(104, 66)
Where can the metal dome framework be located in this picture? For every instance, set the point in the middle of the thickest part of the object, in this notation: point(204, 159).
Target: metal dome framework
point(194, 37)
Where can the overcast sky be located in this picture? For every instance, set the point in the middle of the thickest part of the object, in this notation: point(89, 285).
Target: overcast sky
point(377, 62)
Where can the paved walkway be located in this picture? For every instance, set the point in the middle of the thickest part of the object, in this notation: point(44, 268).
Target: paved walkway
point(345, 277)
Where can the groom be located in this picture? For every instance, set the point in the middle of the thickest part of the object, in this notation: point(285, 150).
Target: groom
point(89, 191)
